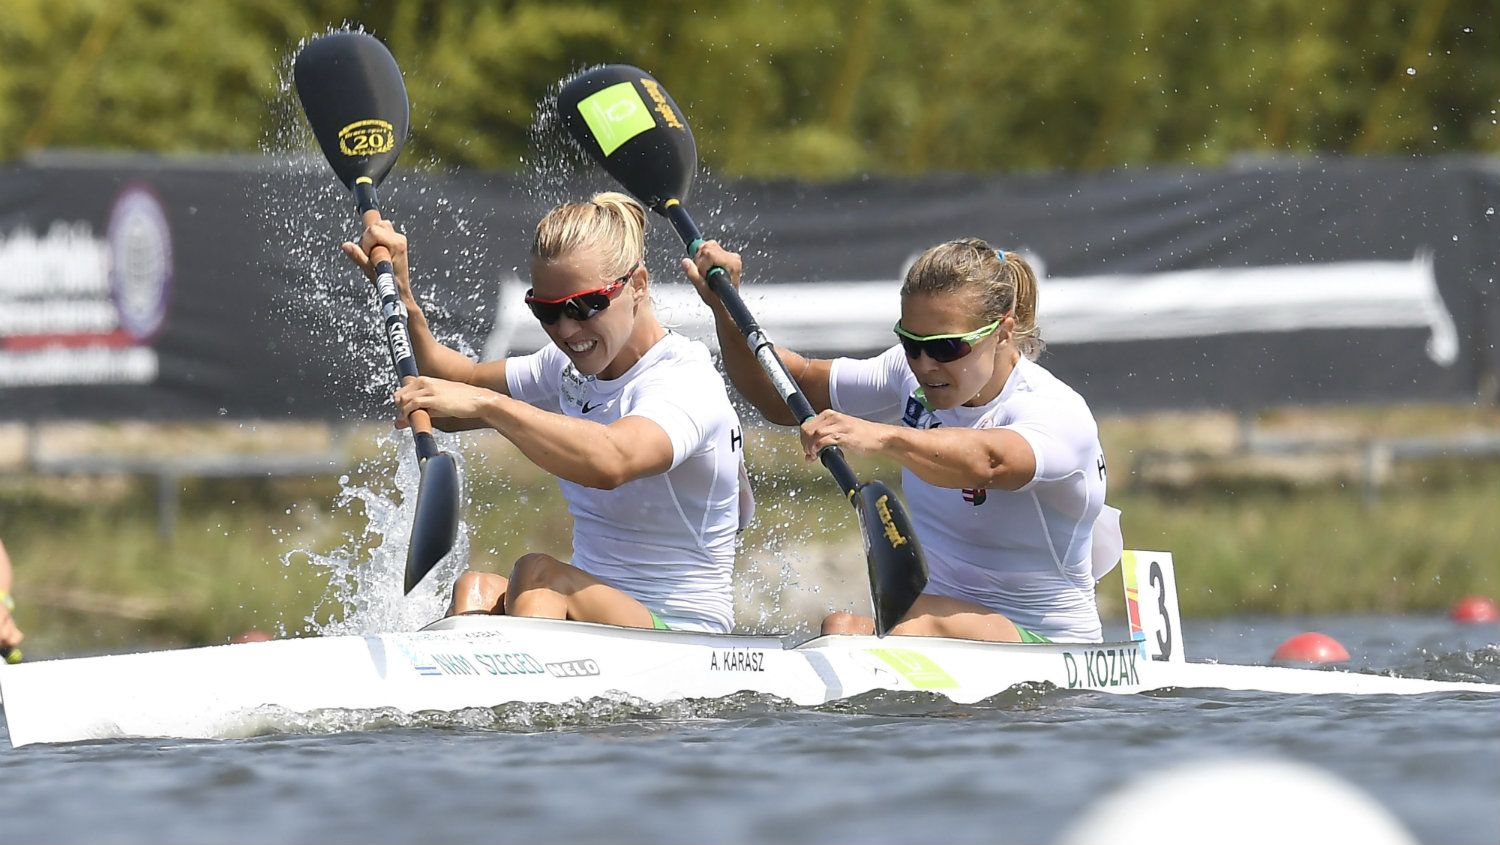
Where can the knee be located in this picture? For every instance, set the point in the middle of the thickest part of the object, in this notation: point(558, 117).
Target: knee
point(843, 622)
point(476, 592)
point(533, 569)
point(470, 582)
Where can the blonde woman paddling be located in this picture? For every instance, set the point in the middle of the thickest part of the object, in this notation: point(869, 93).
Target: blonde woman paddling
point(1001, 464)
point(633, 420)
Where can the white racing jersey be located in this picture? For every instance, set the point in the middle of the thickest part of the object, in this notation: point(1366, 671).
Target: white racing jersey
point(1026, 554)
point(666, 540)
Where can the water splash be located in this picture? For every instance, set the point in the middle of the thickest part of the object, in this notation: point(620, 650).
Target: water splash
point(1482, 665)
point(329, 310)
point(366, 573)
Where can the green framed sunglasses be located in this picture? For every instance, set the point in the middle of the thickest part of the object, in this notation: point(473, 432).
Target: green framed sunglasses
point(944, 348)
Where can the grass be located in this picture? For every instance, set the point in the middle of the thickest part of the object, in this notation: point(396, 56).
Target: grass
point(92, 574)
point(1317, 549)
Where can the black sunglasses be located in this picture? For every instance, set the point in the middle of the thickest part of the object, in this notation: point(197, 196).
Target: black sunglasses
point(944, 348)
point(578, 306)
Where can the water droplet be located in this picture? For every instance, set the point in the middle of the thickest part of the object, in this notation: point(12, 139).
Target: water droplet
point(1411, 71)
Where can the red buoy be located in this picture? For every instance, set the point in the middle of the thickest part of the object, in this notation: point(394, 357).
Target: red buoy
point(1311, 647)
point(1476, 610)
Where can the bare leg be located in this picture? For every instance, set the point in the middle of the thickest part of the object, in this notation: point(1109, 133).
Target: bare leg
point(545, 587)
point(934, 616)
point(478, 592)
point(843, 622)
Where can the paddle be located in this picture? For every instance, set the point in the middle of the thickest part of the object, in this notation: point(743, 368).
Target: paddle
point(355, 101)
point(625, 120)
point(10, 654)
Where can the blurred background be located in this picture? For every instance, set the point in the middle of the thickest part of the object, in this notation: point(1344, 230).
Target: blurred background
point(1266, 232)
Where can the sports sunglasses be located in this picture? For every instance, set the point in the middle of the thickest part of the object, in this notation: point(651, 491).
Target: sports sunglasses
point(578, 306)
point(944, 348)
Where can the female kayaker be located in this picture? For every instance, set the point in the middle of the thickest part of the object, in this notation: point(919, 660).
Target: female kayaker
point(633, 420)
point(1002, 468)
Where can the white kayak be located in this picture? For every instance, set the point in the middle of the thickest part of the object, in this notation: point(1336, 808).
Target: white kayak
point(485, 661)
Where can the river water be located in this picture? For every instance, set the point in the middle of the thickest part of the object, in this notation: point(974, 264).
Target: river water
point(1018, 768)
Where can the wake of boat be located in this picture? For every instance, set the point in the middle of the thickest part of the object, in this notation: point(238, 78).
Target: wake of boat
point(1482, 665)
point(620, 709)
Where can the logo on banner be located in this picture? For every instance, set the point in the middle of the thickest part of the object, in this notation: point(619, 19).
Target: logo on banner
point(78, 308)
point(140, 265)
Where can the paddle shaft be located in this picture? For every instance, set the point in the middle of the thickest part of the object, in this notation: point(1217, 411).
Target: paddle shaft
point(760, 345)
point(397, 332)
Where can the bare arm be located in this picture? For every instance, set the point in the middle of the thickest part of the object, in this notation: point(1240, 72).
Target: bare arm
point(946, 457)
point(433, 358)
point(964, 457)
point(811, 374)
point(583, 452)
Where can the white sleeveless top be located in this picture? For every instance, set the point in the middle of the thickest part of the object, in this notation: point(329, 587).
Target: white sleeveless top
point(666, 540)
point(1025, 554)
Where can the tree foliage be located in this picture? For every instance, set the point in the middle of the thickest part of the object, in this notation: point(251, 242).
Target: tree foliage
point(782, 88)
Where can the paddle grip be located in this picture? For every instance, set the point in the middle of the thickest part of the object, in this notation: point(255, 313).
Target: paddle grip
point(10, 654)
point(760, 345)
point(393, 311)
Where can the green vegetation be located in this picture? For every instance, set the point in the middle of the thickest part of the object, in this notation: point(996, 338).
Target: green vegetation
point(92, 574)
point(779, 88)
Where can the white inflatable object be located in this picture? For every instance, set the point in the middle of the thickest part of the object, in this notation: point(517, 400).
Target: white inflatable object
point(1237, 802)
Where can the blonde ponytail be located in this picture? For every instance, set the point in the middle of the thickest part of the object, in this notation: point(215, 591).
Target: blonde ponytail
point(612, 224)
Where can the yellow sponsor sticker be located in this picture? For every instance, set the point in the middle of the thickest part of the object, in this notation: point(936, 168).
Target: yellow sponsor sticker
point(668, 116)
point(918, 669)
point(615, 115)
point(367, 138)
point(892, 533)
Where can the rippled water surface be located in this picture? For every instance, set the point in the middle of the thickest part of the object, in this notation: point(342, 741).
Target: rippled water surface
point(884, 768)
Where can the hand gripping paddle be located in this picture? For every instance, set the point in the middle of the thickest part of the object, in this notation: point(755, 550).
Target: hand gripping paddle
point(625, 120)
point(355, 101)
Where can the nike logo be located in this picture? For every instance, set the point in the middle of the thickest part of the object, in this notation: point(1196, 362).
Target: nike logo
point(587, 407)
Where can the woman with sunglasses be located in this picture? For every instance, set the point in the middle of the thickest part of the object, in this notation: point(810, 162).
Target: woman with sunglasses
point(1002, 468)
point(633, 420)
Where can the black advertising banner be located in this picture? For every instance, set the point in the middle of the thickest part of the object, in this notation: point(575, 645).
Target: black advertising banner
point(1262, 284)
point(140, 288)
point(171, 289)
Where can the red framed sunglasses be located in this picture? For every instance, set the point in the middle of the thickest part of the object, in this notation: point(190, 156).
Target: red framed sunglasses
point(578, 306)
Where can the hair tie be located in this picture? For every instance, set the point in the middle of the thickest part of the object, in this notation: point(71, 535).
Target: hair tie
point(1000, 254)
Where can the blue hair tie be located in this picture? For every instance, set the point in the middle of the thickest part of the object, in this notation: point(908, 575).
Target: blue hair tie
point(1000, 253)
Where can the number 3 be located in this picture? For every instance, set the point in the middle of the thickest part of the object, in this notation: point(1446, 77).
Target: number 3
point(1163, 634)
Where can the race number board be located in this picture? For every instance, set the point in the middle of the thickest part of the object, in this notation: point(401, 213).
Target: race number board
point(1151, 604)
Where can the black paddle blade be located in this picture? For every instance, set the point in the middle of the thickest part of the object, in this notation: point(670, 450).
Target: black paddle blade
point(898, 572)
point(625, 120)
point(355, 102)
point(434, 530)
